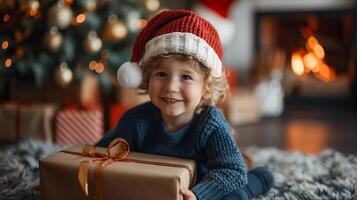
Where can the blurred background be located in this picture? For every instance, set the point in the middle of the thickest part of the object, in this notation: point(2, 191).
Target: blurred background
point(292, 68)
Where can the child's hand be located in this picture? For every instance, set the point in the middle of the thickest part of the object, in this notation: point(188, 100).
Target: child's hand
point(187, 194)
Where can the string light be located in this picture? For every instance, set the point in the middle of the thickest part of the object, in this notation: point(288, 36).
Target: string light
point(96, 66)
point(8, 62)
point(100, 68)
point(80, 18)
point(5, 45)
point(6, 18)
point(92, 65)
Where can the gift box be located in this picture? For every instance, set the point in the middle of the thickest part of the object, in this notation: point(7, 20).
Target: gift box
point(115, 113)
point(20, 121)
point(137, 176)
point(241, 107)
point(76, 126)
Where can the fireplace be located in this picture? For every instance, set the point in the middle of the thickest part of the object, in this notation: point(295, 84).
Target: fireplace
point(314, 50)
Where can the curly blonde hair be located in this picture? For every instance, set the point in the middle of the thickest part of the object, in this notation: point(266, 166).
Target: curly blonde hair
point(215, 89)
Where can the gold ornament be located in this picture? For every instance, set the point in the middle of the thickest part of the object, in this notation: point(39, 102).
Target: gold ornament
point(114, 30)
point(33, 8)
point(133, 18)
point(69, 2)
point(90, 92)
point(151, 5)
point(63, 75)
point(53, 40)
point(60, 15)
point(92, 43)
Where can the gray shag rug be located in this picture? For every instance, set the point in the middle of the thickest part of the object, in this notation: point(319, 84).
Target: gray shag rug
point(19, 169)
point(329, 175)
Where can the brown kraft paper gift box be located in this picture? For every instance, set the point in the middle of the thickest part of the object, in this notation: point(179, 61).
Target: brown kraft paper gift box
point(126, 180)
point(20, 121)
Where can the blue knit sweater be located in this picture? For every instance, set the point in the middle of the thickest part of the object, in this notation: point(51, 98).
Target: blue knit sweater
point(206, 139)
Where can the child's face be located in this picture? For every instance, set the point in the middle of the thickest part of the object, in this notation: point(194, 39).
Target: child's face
point(176, 87)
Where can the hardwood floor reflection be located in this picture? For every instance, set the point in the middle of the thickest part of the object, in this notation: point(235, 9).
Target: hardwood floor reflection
point(309, 137)
point(306, 132)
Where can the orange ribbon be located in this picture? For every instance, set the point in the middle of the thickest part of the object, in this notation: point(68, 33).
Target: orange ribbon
point(118, 150)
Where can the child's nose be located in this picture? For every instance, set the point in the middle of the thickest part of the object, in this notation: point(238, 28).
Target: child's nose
point(172, 84)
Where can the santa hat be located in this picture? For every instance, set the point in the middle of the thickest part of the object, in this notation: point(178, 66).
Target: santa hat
point(173, 31)
point(218, 15)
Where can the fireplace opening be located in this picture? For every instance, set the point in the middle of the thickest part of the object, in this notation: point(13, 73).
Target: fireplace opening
point(314, 53)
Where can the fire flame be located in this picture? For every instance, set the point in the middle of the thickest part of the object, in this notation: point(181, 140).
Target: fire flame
point(297, 63)
point(312, 61)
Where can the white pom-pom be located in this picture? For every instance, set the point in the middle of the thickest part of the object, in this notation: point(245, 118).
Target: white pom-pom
point(129, 75)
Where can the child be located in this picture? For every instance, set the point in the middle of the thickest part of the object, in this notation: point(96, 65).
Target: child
point(179, 55)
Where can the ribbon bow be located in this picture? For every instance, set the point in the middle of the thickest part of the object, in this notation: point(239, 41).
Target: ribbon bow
point(118, 150)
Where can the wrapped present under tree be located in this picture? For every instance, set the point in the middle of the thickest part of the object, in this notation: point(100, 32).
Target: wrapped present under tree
point(78, 126)
point(30, 120)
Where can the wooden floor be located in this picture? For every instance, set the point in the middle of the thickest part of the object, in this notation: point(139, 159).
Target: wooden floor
point(305, 129)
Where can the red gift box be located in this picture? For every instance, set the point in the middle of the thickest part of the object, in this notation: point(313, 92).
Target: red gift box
point(115, 113)
point(79, 126)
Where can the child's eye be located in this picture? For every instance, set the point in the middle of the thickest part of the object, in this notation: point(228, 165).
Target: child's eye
point(186, 77)
point(160, 74)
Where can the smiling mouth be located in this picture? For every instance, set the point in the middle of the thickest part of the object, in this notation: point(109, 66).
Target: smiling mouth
point(170, 100)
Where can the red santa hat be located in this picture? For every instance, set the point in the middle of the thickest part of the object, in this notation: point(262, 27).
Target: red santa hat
point(173, 31)
point(217, 13)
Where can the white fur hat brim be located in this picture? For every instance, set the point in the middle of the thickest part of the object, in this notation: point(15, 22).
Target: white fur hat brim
point(130, 74)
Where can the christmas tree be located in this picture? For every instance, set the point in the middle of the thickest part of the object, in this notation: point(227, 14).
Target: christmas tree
point(53, 42)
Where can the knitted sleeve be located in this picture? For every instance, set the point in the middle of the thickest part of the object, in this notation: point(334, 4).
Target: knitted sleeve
point(124, 129)
point(226, 167)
